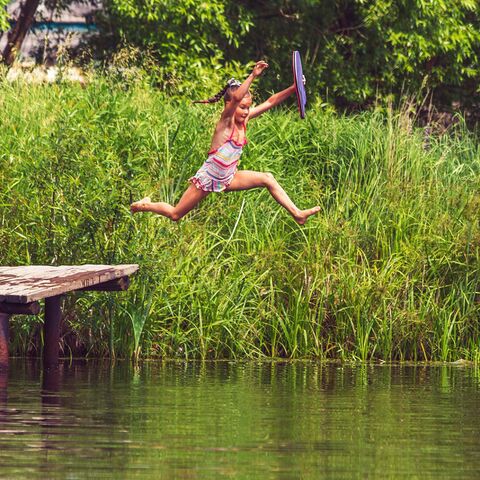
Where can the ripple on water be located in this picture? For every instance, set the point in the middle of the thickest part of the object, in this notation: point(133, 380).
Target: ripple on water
point(246, 420)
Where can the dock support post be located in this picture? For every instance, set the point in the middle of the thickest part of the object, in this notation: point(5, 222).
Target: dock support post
point(51, 330)
point(4, 337)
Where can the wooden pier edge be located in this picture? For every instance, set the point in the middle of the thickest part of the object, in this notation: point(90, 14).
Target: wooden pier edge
point(21, 288)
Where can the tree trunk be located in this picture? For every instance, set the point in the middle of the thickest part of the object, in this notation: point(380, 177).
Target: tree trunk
point(17, 34)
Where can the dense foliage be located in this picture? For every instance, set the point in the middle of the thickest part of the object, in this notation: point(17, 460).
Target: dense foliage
point(354, 50)
point(3, 15)
point(389, 269)
point(181, 44)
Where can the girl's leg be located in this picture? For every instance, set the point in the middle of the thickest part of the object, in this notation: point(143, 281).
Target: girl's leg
point(190, 199)
point(246, 179)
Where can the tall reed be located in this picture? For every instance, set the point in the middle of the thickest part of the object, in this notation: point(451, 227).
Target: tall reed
point(389, 269)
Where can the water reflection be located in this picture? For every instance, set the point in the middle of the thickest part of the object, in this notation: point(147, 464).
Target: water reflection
point(234, 419)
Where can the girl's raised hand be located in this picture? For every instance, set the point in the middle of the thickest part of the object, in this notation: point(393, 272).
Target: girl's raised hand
point(259, 68)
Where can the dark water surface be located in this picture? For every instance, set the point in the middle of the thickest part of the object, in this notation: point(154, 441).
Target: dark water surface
point(239, 420)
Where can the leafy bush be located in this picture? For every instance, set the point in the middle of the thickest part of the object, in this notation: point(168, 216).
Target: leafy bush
point(354, 51)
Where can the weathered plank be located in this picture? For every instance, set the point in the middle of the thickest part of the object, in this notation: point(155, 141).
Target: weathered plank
point(25, 284)
point(117, 285)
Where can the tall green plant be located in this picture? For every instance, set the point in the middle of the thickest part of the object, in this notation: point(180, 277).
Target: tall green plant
point(389, 269)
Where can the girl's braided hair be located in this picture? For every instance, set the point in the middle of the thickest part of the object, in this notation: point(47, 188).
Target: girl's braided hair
point(231, 85)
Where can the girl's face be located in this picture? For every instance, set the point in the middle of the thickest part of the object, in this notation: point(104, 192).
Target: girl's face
point(241, 113)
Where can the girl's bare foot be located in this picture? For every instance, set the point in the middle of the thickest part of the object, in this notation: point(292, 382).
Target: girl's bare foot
point(302, 215)
point(138, 206)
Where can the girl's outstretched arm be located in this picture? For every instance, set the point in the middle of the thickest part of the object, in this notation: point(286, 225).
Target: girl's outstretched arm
point(242, 90)
point(274, 100)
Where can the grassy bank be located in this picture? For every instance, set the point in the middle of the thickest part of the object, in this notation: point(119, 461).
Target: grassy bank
point(388, 270)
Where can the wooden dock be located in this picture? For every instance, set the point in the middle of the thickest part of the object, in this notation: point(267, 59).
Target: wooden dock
point(21, 289)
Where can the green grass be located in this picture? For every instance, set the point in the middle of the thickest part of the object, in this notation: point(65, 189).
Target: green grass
point(388, 270)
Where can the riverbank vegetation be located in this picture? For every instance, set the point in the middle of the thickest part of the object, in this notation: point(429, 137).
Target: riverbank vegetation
point(354, 51)
point(388, 270)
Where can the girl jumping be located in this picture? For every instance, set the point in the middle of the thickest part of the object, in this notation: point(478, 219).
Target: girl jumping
point(219, 172)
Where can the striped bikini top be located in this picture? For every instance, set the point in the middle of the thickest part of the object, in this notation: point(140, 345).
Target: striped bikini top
point(229, 152)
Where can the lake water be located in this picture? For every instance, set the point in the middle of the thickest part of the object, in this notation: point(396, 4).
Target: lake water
point(239, 420)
